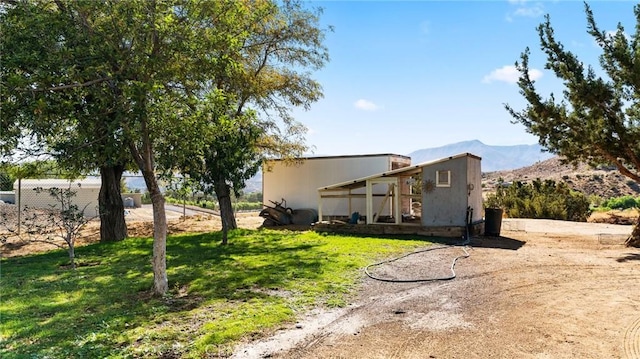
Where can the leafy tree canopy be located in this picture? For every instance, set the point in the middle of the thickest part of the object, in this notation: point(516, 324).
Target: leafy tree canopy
point(597, 120)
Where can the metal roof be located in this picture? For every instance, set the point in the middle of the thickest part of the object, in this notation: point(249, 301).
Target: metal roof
point(59, 183)
point(345, 156)
point(404, 171)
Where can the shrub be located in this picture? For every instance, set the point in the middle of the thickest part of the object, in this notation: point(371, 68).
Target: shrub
point(548, 200)
point(624, 202)
point(247, 206)
point(6, 181)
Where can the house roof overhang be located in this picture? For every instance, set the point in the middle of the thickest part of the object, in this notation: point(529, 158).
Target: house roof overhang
point(401, 172)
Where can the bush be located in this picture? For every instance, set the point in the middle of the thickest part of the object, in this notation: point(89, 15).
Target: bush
point(546, 200)
point(247, 206)
point(624, 202)
point(6, 181)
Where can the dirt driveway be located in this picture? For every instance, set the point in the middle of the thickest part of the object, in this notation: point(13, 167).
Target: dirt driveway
point(545, 289)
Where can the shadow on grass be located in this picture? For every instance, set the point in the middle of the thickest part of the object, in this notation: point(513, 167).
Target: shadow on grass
point(60, 313)
point(250, 260)
point(409, 237)
point(478, 241)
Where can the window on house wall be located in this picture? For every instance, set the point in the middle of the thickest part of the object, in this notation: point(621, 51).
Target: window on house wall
point(443, 178)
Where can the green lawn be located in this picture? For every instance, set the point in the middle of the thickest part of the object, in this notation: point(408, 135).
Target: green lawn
point(218, 295)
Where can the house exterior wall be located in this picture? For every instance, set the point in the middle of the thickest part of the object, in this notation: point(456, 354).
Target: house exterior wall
point(299, 183)
point(447, 206)
point(474, 178)
point(87, 192)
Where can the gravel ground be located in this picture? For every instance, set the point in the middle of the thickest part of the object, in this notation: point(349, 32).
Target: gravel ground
point(545, 289)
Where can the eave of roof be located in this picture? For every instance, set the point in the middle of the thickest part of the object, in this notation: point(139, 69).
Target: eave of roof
point(400, 172)
point(345, 156)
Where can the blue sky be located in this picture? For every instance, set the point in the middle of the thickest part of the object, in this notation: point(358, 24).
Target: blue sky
point(407, 75)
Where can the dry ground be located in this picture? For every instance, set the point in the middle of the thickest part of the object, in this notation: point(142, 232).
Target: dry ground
point(139, 224)
point(544, 289)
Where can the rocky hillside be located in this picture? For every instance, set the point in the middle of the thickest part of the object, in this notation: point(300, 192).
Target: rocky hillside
point(605, 182)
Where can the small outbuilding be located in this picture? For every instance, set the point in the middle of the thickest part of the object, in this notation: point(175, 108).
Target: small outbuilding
point(86, 193)
point(449, 203)
point(436, 198)
point(297, 181)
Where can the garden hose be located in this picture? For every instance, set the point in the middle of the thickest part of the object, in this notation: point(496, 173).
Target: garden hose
point(452, 276)
point(464, 244)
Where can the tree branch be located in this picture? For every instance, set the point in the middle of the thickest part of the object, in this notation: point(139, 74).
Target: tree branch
point(66, 87)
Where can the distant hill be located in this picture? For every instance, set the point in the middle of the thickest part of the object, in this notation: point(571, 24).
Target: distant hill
point(494, 158)
point(603, 181)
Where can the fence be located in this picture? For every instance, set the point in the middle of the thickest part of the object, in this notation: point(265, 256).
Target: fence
point(32, 197)
point(25, 198)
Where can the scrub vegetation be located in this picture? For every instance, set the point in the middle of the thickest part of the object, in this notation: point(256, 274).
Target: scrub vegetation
point(540, 199)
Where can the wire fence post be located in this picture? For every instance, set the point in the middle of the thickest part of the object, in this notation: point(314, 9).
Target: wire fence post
point(19, 200)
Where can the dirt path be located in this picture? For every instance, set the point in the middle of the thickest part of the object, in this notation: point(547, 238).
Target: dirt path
point(545, 289)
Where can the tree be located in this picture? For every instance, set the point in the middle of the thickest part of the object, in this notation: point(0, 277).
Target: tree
point(131, 64)
point(67, 220)
point(598, 118)
point(56, 89)
point(6, 178)
point(251, 113)
point(147, 60)
point(230, 154)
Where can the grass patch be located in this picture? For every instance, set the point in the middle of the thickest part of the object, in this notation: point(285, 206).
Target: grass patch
point(219, 294)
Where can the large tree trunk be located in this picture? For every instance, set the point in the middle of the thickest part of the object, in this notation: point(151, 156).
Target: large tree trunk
point(144, 159)
point(112, 224)
point(634, 239)
point(160, 280)
point(227, 216)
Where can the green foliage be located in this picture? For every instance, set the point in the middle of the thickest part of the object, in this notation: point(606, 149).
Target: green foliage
point(548, 199)
point(596, 121)
point(6, 181)
point(108, 84)
point(252, 197)
point(210, 204)
point(218, 294)
point(624, 202)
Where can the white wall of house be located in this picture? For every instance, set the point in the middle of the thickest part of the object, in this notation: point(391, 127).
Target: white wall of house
point(87, 191)
point(298, 183)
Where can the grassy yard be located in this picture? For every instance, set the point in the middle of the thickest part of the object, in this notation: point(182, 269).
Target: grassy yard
point(219, 294)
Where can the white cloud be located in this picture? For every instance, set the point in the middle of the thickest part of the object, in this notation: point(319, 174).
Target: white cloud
point(509, 74)
point(525, 10)
point(366, 105)
point(529, 11)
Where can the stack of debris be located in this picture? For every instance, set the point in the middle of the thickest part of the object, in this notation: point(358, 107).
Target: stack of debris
point(281, 215)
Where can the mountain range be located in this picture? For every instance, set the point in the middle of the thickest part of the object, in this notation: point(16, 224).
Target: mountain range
point(494, 158)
